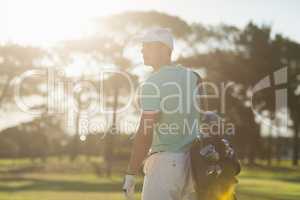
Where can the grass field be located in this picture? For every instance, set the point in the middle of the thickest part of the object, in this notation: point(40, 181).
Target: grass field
point(278, 183)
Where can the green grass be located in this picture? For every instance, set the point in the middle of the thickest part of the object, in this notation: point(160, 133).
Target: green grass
point(60, 187)
point(278, 183)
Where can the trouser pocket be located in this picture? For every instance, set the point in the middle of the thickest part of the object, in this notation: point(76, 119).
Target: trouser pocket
point(148, 163)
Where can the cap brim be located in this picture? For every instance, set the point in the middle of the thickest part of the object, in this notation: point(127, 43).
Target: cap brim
point(140, 39)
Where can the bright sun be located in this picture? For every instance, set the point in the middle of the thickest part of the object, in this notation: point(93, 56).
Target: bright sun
point(43, 22)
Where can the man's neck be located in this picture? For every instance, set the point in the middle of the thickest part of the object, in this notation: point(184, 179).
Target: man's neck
point(159, 65)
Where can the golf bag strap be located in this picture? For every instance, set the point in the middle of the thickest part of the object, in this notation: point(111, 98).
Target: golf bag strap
point(203, 104)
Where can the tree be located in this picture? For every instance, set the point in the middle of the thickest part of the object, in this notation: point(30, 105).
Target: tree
point(15, 59)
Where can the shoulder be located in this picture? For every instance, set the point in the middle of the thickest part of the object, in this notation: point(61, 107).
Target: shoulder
point(192, 72)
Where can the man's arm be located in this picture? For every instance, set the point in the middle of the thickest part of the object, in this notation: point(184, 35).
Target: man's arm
point(142, 141)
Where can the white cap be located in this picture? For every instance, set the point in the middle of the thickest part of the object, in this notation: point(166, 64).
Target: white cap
point(162, 35)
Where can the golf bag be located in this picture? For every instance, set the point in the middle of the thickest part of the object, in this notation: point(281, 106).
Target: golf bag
point(213, 161)
point(214, 168)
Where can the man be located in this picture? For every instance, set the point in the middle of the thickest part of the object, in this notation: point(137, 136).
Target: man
point(168, 124)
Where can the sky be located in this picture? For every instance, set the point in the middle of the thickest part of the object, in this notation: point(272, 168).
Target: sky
point(46, 21)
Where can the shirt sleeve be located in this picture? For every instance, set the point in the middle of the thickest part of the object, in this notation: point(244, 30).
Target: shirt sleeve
point(150, 97)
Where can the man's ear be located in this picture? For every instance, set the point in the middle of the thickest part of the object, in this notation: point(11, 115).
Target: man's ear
point(169, 52)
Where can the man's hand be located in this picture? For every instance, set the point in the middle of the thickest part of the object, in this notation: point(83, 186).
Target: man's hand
point(129, 186)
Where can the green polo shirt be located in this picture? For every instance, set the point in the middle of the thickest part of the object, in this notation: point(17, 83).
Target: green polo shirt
point(172, 90)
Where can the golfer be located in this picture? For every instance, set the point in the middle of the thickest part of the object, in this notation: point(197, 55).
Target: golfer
point(168, 124)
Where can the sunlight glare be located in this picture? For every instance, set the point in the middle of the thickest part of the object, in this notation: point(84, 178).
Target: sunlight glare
point(45, 22)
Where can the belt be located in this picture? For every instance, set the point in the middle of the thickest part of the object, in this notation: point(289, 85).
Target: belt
point(152, 153)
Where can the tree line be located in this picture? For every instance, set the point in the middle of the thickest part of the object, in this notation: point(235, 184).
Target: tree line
point(230, 55)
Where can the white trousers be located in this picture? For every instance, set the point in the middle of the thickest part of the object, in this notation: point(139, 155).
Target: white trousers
point(168, 177)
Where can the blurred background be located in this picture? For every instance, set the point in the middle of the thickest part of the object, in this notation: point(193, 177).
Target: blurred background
point(64, 134)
